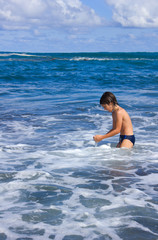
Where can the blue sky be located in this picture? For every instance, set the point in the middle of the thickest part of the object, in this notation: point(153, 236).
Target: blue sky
point(79, 25)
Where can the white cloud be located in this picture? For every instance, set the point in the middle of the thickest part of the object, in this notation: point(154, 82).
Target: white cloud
point(28, 14)
point(135, 13)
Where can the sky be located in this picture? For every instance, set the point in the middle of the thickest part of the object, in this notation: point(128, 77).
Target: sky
point(79, 25)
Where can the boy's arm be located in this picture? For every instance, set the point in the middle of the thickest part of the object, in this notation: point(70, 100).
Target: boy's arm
point(117, 124)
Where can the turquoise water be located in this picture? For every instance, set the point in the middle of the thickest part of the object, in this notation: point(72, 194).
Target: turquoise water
point(54, 182)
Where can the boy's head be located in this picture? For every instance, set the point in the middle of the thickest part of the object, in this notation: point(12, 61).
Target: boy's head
point(108, 98)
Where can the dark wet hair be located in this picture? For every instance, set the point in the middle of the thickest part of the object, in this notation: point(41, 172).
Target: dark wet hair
point(108, 98)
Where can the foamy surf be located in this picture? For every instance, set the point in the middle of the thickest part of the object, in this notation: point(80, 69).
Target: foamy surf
point(17, 54)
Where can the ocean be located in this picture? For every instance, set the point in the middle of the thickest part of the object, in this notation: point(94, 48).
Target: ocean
point(55, 182)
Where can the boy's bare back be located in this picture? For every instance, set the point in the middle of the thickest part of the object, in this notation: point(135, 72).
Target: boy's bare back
point(120, 115)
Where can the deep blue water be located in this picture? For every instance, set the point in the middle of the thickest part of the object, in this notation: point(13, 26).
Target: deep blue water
point(55, 183)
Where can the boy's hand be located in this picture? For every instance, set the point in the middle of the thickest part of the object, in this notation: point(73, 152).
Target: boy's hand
point(98, 138)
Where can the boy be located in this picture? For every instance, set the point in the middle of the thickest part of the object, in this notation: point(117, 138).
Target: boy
point(121, 122)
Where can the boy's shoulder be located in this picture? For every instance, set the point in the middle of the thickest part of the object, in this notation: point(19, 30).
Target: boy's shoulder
point(120, 112)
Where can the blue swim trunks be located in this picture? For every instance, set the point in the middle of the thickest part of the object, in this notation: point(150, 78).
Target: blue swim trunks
point(129, 137)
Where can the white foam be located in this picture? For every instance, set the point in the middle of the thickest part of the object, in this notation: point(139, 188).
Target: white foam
point(32, 174)
point(105, 59)
point(150, 179)
point(14, 147)
point(17, 54)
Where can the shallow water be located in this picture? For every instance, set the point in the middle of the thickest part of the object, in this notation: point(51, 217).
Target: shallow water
point(55, 183)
